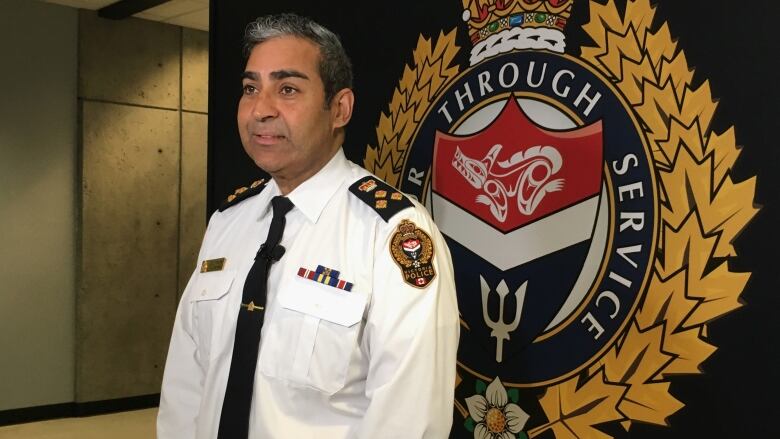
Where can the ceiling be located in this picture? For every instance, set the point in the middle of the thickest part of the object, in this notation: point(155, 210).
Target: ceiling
point(186, 13)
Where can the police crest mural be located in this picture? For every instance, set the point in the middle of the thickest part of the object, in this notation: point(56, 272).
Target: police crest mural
point(588, 207)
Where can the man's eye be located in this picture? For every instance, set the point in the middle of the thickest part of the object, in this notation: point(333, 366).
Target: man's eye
point(287, 90)
point(249, 89)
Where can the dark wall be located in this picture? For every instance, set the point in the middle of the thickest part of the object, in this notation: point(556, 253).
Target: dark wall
point(731, 45)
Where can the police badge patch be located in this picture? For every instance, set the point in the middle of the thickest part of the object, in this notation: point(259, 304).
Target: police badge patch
point(412, 250)
point(587, 205)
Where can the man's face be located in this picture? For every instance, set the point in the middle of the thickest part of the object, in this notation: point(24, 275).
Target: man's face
point(285, 125)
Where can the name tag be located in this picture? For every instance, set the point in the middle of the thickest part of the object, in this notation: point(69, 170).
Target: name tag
point(212, 265)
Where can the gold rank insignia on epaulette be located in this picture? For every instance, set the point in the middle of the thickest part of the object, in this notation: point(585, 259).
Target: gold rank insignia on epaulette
point(382, 197)
point(243, 193)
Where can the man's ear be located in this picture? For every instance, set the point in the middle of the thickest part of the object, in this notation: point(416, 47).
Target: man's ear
point(341, 107)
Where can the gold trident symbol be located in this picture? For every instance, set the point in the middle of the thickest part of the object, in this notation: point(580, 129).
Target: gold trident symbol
point(501, 329)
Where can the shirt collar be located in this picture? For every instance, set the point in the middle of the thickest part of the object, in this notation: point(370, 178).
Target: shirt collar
point(312, 195)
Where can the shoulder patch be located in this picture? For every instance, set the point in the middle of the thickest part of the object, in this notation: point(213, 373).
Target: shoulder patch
point(412, 250)
point(383, 198)
point(242, 194)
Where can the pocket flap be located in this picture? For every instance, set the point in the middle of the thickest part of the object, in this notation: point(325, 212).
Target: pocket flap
point(324, 302)
point(212, 285)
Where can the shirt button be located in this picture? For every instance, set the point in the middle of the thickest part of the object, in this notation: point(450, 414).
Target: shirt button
point(203, 293)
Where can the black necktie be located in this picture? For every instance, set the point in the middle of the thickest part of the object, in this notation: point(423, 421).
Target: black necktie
point(234, 421)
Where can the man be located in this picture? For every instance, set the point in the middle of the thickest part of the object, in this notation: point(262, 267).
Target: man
point(353, 310)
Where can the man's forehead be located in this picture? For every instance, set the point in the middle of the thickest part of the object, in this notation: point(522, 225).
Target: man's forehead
point(285, 47)
point(282, 57)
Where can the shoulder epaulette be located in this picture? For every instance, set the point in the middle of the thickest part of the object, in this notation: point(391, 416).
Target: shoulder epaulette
point(380, 196)
point(242, 194)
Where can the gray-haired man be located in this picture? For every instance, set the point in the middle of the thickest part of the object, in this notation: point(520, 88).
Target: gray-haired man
point(344, 322)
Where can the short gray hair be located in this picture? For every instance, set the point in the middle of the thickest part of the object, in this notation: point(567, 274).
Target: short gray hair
point(334, 66)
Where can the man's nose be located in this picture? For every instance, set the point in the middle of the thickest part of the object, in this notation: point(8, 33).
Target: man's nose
point(264, 107)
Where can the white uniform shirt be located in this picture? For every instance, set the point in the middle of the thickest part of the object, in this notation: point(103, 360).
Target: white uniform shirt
point(376, 362)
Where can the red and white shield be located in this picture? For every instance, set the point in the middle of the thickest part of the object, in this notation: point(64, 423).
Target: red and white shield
point(519, 180)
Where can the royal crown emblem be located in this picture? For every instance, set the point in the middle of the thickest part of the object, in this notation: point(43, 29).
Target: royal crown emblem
point(579, 190)
point(503, 26)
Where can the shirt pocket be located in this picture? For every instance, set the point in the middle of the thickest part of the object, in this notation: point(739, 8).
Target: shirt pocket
point(209, 305)
point(330, 325)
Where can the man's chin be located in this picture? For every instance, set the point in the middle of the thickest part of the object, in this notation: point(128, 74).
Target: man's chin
point(266, 158)
point(268, 167)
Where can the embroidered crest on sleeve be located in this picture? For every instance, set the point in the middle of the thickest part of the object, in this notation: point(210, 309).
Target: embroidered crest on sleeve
point(382, 197)
point(412, 249)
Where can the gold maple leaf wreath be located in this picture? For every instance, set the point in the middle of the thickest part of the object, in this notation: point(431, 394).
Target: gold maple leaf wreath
point(702, 212)
point(432, 72)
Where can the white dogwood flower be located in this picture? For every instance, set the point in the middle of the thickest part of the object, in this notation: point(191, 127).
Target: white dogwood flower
point(496, 417)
